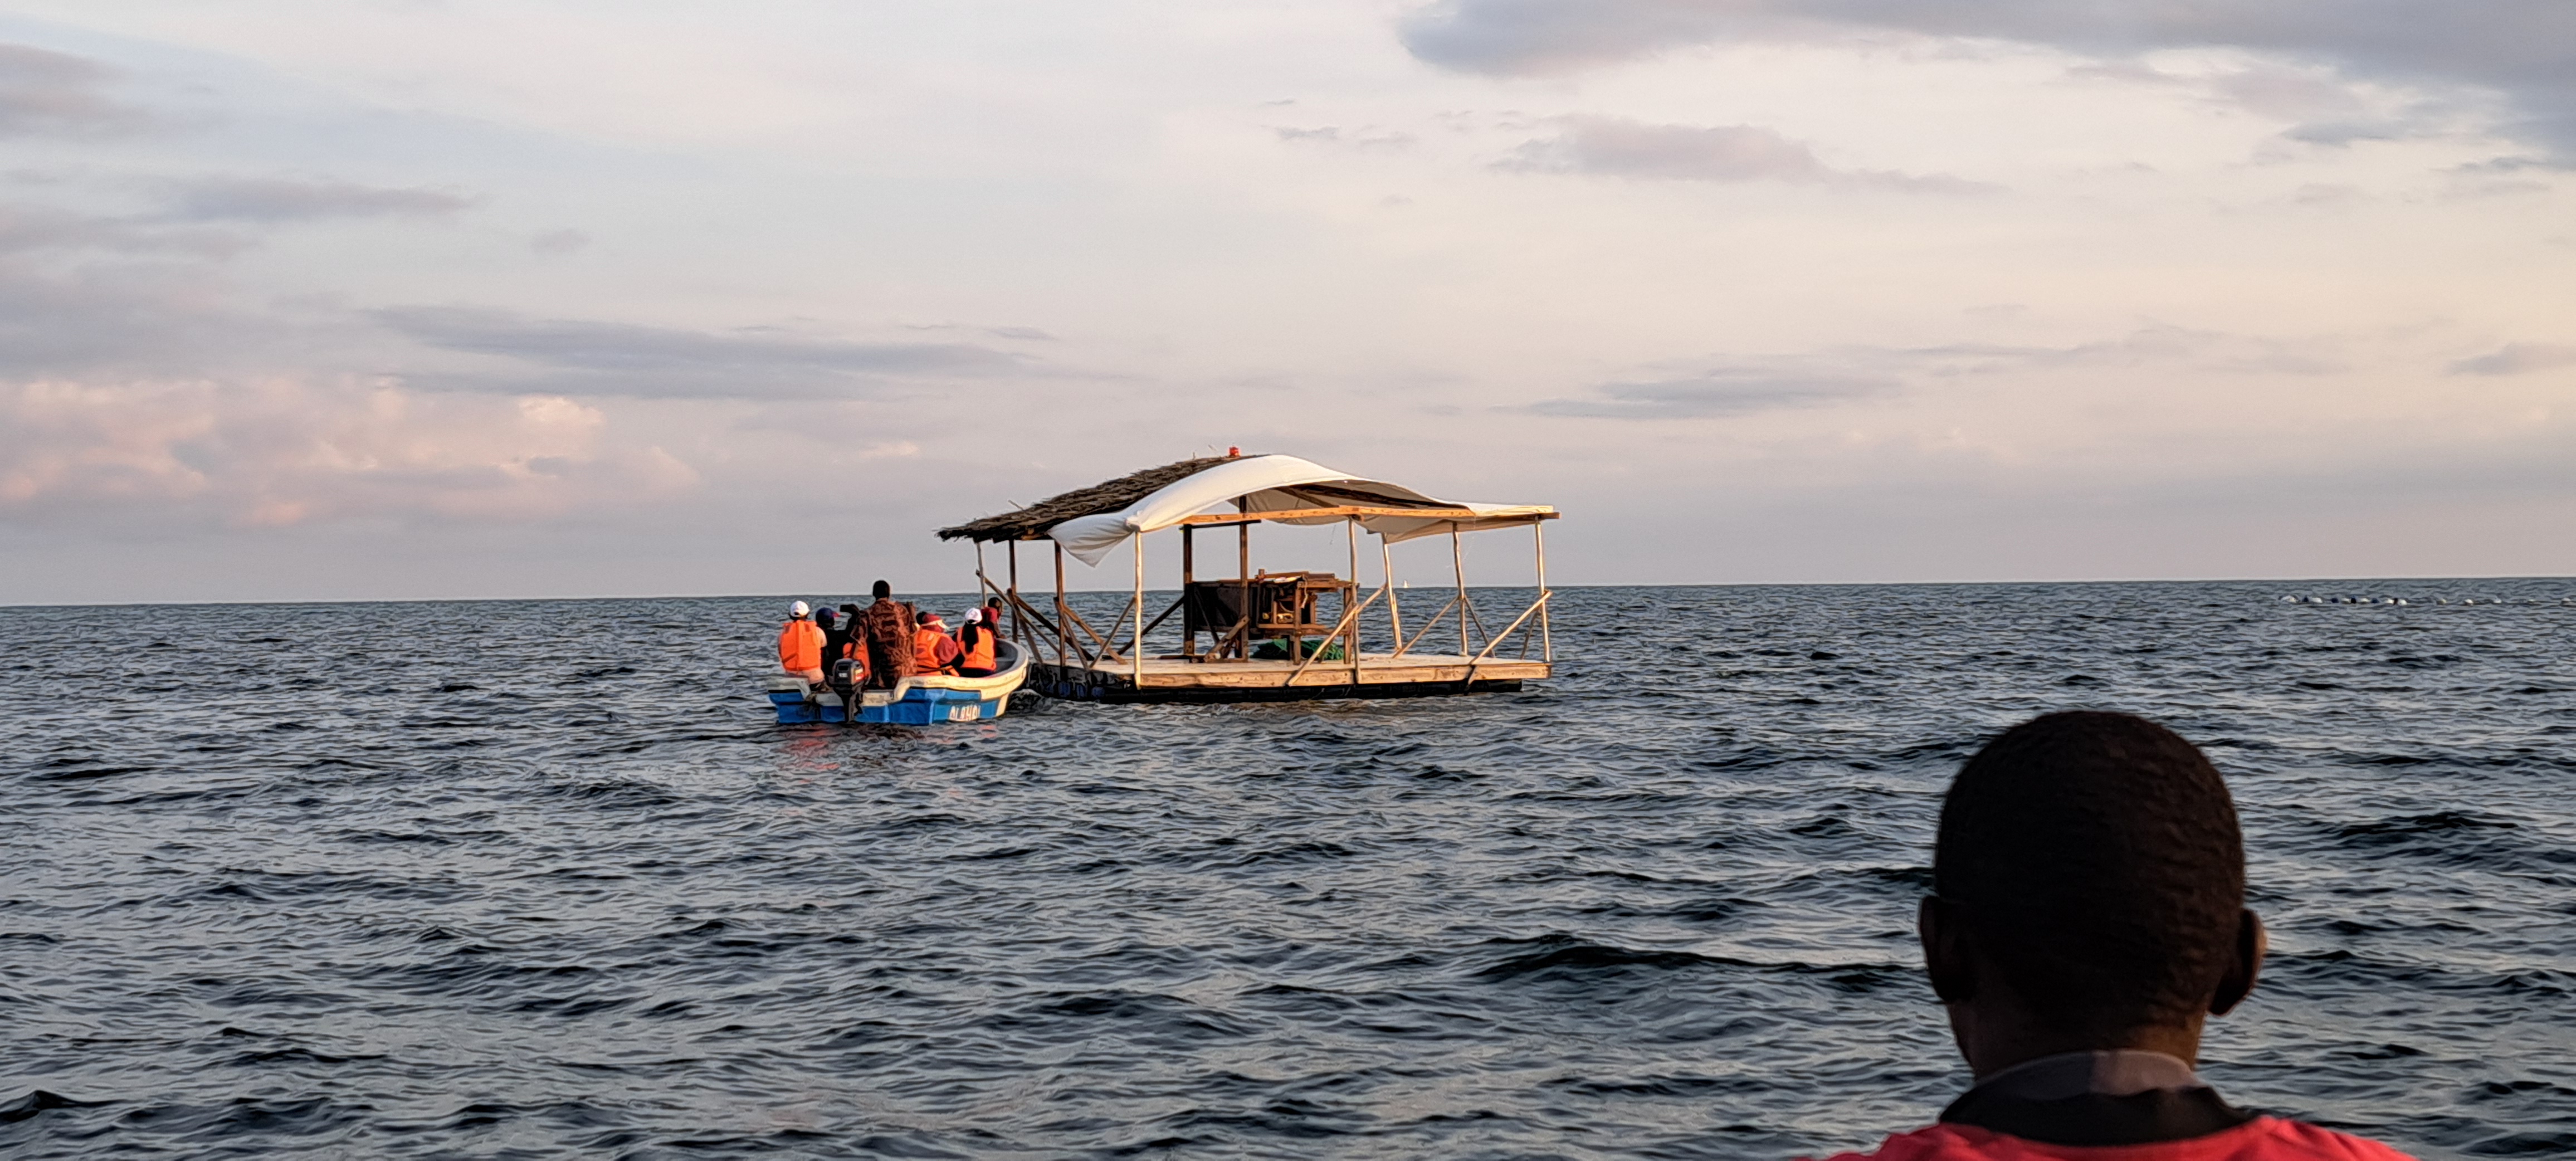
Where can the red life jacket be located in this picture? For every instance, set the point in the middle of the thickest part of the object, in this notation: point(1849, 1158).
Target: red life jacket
point(2261, 1139)
point(800, 646)
point(931, 650)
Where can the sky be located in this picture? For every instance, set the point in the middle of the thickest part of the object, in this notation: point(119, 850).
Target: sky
point(411, 299)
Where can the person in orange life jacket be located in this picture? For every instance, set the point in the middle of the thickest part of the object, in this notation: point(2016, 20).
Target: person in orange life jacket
point(2087, 915)
point(933, 650)
point(977, 647)
point(800, 644)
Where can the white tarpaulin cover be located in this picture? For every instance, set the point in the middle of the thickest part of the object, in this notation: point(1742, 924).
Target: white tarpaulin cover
point(1277, 484)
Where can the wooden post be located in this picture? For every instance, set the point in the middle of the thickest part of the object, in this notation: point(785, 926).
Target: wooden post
point(1063, 613)
point(1538, 536)
point(1351, 644)
point(1137, 647)
point(1243, 572)
point(1386, 570)
point(1458, 560)
point(1189, 636)
point(1019, 626)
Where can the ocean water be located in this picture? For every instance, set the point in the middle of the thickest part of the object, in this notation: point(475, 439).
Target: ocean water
point(542, 879)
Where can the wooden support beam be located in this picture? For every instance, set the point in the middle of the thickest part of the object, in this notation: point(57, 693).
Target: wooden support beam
point(1458, 561)
point(1139, 650)
point(1064, 613)
point(1189, 636)
point(1152, 625)
point(1220, 519)
point(1546, 643)
point(1243, 572)
point(1427, 627)
point(1345, 510)
point(1479, 658)
point(1386, 575)
point(1020, 608)
point(1351, 646)
point(1348, 616)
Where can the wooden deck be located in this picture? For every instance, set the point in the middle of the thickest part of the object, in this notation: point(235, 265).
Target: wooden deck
point(1181, 679)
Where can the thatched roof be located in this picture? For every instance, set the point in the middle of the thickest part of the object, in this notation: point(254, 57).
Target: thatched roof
point(1114, 496)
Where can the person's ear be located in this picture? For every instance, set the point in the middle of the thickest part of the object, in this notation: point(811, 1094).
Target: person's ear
point(2244, 962)
point(1945, 951)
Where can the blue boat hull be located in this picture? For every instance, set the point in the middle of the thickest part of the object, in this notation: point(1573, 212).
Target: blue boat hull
point(796, 709)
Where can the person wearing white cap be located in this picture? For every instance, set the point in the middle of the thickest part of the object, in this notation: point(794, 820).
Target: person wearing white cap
point(976, 647)
point(800, 644)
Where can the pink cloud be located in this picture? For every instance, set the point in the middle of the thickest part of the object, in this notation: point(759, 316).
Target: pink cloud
point(286, 451)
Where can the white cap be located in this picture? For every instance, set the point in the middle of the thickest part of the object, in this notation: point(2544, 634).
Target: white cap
point(974, 616)
point(798, 609)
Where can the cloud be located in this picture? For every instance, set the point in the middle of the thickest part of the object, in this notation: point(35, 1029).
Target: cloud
point(626, 359)
point(1014, 333)
point(31, 229)
point(1333, 135)
point(1618, 147)
point(1716, 394)
point(1853, 373)
point(283, 451)
point(2203, 350)
point(559, 242)
point(271, 200)
point(80, 294)
point(2525, 49)
point(2516, 359)
point(2514, 165)
point(51, 94)
point(1622, 148)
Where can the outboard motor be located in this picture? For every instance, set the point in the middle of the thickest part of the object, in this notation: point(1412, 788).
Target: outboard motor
point(843, 682)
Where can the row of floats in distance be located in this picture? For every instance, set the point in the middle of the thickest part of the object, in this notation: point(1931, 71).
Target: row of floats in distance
point(2304, 599)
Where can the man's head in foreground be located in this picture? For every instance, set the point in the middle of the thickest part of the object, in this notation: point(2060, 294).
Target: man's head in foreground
point(2087, 914)
point(2088, 893)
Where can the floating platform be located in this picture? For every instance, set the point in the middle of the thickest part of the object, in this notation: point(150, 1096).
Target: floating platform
point(1180, 679)
point(1280, 614)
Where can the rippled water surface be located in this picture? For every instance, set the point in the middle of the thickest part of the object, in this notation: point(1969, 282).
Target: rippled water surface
point(542, 879)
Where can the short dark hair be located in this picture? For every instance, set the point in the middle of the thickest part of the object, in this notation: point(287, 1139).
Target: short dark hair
point(2096, 859)
point(883, 590)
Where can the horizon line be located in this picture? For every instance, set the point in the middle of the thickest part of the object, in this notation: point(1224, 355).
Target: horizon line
point(797, 595)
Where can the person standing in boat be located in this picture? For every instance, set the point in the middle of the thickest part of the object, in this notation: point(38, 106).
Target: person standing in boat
point(2087, 916)
point(978, 647)
point(993, 616)
point(800, 645)
point(886, 629)
point(933, 650)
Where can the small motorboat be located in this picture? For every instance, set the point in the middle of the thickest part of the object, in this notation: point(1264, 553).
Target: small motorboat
point(914, 701)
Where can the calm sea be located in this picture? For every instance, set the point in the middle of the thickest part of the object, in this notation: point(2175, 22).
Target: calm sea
point(541, 879)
